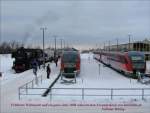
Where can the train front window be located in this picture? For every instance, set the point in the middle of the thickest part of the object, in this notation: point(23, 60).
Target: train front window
point(137, 58)
point(138, 62)
point(69, 58)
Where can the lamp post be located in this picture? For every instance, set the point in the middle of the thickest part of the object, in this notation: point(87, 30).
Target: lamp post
point(109, 45)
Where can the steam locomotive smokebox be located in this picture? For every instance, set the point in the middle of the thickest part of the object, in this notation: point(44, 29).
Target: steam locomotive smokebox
point(24, 58)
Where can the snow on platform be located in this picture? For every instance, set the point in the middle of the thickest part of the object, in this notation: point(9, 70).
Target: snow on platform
point(8, 74)
point(11, 81)
point(36, 92)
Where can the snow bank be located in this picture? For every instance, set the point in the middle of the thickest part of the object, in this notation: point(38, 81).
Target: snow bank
point(6, 63)
point(148, 67)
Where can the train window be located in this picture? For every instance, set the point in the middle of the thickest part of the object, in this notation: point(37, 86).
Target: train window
point(113, 57)
point(137, 58)
point(69, 57)
point(118, 59)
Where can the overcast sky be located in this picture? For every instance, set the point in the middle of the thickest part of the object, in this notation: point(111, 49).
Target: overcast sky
point(83, 23)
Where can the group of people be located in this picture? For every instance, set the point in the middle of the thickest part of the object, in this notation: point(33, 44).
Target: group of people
point(35, 65)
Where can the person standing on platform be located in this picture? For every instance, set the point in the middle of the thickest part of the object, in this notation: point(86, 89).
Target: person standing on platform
point(56, 60)
point(34, 66)
point(48, 70)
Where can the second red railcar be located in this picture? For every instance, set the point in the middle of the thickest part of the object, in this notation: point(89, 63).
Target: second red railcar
point(126, 62)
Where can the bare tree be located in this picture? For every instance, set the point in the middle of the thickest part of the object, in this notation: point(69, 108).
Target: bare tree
point(8, 47)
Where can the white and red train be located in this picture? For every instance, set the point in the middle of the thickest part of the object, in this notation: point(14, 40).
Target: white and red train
point(126, 62)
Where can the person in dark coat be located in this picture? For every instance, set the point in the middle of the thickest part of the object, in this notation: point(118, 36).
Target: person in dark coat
point(56, 60)
point(39, 63)
point(34, 66)
point(48, 70)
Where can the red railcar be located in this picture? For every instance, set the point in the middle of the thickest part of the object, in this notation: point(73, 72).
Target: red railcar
point(126, 62)
point(70, 62)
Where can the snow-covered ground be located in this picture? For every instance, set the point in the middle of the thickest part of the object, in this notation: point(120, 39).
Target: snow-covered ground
point(6, 63)
point(90, 77)
point(11, 81)
point(8, 74)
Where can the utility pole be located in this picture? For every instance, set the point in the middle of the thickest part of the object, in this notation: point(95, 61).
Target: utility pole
point(61, 44)
point(109, 52)
point(109, 46)
point(64, 43)
point(117, 44)
point(129, 42)
point(43, 30)
point(67, 45)
point(55, 46)
point(96, 46)
point(104, 46)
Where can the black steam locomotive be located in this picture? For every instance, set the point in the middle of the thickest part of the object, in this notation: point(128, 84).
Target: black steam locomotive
point(24, 57)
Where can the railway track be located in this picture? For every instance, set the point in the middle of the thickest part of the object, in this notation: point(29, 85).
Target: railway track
point(51, 85)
